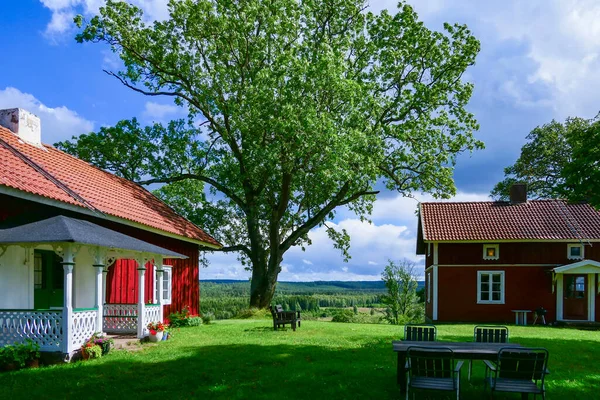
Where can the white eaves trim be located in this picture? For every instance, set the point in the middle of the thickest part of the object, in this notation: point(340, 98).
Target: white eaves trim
point(579, 265)
point(71, 207)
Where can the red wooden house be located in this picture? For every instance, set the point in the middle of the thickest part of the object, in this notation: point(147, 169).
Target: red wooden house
point(485, 260)
point(82, 250)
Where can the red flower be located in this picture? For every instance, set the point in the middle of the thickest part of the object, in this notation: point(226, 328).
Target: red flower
point(152, 332)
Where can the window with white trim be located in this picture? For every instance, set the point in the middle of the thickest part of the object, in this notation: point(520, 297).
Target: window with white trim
point(575, 251)
point(490, 287)
point(429, 287)
point(491, 251)
point(167, 277)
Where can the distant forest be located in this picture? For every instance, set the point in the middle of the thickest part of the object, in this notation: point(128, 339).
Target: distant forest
point(227, 298)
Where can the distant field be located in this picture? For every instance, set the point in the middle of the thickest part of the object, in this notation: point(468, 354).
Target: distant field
point(246, 359)
point(226, 298)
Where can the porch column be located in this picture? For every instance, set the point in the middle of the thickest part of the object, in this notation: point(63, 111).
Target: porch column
point(104, 276)
point(141, 295)
point(159, 277)
point(67, 264)
point(99, 287)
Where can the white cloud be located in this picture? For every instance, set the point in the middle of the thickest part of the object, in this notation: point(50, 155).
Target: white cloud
point(63, 11)
point(373, 263)
point(58, 123)
point(157, 111)
point(307, 262)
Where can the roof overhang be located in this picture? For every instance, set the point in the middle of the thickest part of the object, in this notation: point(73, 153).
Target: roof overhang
point(82, 210)
point(60, 229)
point(580, 267)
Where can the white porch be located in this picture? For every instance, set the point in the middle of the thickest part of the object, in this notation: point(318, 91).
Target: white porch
point(80, 289)
point(577, 286)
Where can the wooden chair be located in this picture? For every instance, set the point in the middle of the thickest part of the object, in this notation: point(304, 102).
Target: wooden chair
point(518, 370)
point(432, 368)
point(420, 332)
point(488, 334)
point(280, 317)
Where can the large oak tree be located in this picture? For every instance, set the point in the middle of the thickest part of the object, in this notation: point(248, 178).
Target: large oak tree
point(296, 108)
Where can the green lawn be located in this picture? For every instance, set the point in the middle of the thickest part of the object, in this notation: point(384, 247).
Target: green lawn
point(246, 359)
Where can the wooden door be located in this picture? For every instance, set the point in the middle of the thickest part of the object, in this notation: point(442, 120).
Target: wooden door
point(48, 280)
point(575, 299)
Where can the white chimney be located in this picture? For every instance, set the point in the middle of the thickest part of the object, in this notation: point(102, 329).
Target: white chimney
point(24, 124)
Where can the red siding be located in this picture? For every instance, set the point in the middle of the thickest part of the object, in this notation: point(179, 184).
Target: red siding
point(526, 288)
point(122, 278)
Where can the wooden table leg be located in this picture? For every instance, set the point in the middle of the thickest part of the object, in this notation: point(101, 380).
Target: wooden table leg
point(401, 378)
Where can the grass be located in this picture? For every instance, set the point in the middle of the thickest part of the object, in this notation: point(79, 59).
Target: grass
point(240, 359)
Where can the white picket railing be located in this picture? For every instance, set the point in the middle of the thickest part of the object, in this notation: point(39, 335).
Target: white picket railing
point(43, 327)
point(83, 325)
point(151, 314)
point(120, 318)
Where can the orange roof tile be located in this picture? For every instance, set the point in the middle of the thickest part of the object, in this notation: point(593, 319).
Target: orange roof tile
point(104, 191)
point(533, 220)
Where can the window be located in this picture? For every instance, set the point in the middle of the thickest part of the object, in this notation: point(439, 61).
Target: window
point(167, 277)
point(575, 251)
point(491, 251)
point(429, 287)
point(490, 287)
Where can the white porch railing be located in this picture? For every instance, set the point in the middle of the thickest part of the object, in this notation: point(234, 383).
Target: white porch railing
point(151, 314)
point(43, 327)
point(83, 325)
point(120, 318)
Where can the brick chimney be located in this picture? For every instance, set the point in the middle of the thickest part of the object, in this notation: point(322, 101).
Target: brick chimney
point(518, 193)
point(24, 124)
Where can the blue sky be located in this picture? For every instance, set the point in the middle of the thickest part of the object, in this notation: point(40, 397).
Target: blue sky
point(539, 61)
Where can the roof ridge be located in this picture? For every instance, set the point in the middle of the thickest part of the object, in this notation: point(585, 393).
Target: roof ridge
point(495, 201)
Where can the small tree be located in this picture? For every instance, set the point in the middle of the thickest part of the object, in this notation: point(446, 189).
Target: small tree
point(401, 300)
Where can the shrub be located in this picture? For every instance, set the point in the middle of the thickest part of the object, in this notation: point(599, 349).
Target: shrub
point(206, 318)
point(183, 318)
point(343, 316)
point(19, 354)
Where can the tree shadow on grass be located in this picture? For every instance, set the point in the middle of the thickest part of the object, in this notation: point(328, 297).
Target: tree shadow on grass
point(248, 371)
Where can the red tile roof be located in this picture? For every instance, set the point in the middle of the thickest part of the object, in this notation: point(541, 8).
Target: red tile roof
point(535, 219)
point(106, 192)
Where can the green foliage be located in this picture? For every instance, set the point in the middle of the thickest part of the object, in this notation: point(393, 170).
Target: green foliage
point(401, 301)
point(207, 318)
point(19, 354)
point(304, 107)
point(93, 350)
point(180, 319)
point(546, 160)
point(582, 174)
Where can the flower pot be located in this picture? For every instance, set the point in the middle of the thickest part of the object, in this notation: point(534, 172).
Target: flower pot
point(156, 338)
point(35, 363)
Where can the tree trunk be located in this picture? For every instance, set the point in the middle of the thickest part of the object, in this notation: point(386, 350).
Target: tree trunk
point(264, 281)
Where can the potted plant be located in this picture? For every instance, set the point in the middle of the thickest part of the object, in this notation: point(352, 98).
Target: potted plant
point(90, 349)
point(105, 343)
point(157, 330)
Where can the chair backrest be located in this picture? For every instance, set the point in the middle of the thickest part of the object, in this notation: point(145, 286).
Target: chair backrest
point(431, 362)
point(522, 363)
point(422, 333)
point(490, 334)
point(279, 308)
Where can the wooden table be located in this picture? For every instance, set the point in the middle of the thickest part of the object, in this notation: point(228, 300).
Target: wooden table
point(462, 351)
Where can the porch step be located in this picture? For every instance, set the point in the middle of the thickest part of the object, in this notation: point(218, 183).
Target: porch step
point(125, 342)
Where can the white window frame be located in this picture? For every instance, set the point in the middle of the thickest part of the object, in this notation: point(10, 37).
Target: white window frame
point(167, 286)
point(429, 287)
point(487, 246)
point(502, 287)
point(572, 245)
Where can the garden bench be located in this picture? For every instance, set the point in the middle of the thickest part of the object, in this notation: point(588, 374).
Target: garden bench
point(280, 317)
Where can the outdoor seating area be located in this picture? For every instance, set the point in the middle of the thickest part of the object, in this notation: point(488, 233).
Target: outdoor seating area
point(427, 364)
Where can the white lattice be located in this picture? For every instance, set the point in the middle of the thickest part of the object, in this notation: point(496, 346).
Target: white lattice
point(120, 318)
point(83, 326)
point(151, 314)
point(43, 327)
